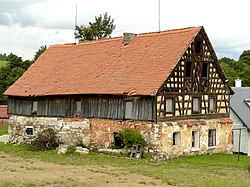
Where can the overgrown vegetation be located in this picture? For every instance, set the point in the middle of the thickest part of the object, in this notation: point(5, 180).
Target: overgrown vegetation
point(45, 140)
point(202, 170)
point(128, 137)
point(3, 129)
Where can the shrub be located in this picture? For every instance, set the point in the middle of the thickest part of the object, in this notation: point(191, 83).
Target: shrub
point(130, 137)
point(45, 140)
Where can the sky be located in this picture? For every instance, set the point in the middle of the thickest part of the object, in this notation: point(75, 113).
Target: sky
point(26, 25)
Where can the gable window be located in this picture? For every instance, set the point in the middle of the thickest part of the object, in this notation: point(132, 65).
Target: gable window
point(176, 138)
point(169, 105)
point(188, 69)
point(196, 105)
point(34, 106)
point(78, 106)
point(211, 137)
point(204, 72)
point(212, 104)
point(128, 109)
point(29, 131)
point(195, 139)
point(198, 46)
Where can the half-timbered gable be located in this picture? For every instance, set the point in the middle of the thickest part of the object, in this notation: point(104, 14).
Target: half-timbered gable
point(196, 86)
point(168, 85)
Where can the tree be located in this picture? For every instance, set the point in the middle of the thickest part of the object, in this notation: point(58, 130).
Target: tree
point(40, 51)
point(101, 28)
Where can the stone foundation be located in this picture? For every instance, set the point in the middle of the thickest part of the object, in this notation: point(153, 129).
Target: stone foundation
point(99, 133)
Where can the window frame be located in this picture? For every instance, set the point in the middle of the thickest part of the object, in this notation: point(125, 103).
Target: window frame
point(78, 104)
point(26, 130)
point(211, 137)
point(214, 109)
point(199, 105)
point(34, 107)
point(195, 142)
point(176, 138)
point(128, 114)
point(172, 105)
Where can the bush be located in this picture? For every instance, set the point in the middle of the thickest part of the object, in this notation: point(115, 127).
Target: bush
point(46, 140)
point(130, 137)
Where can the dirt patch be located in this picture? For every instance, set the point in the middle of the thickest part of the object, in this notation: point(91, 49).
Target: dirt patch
point(15, 171)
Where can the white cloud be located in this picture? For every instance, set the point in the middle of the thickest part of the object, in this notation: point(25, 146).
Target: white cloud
point(28, 24)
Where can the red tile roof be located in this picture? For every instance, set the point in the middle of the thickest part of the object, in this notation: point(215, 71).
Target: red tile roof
point(106, 66)
point(3, 112)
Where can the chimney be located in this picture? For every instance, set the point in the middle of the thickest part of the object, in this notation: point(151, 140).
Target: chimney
point(127, 37)
point(237, 83)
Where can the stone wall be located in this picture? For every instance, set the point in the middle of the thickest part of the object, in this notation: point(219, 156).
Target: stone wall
point(99, 133)
point(70, 130)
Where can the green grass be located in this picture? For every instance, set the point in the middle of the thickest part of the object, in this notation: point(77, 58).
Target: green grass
point(3, 63)
point(3, 129)
point(203, 170)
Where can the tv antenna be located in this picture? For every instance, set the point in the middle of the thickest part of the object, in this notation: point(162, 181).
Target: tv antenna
point(75, 24)
point(159, 16)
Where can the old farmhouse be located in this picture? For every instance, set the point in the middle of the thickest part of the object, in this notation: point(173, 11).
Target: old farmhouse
point(167, 85)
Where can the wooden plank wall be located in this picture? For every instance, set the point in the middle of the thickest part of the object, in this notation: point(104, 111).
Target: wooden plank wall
point(109, 107)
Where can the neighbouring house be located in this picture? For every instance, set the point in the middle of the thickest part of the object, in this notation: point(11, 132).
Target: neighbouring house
point(167, 85)
point(240, 114)
point(3, 114)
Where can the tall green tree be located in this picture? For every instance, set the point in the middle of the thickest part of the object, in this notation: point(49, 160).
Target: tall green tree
point(101, 28)
point(39, 52)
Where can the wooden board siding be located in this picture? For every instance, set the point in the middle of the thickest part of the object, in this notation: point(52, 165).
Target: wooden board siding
point(109, 107)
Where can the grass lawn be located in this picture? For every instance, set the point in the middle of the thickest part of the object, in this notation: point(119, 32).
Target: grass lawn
point(202, 170)
point(2, 63)
point(3, 129)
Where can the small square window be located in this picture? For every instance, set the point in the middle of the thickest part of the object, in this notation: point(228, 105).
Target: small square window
point(29, 131)
point(188, 70)
point(176, 138)
point(211, 137)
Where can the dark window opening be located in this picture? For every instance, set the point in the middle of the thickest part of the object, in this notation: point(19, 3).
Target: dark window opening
point(118, 142)
point(198, 47)
point(211, 137)
point(205, 70)
point(188, 71)
point(29, 131)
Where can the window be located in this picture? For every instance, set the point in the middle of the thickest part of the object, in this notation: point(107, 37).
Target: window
point(34, 106)
point(78, 106)
point(212, 104)
point(211, 137)
point(169, 105)
point(118, 142)
point(188, 70)
point(29, 131)
point(196, 105)
point(195, 139)
point(128, 109)
point(176, 138)
point(198, 46)
point(204, 72)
